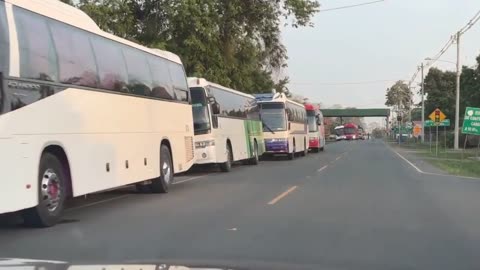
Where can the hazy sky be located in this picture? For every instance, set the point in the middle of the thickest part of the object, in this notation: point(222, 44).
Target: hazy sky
point(383, 41)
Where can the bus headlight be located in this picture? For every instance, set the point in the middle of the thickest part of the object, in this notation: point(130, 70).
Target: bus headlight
point(204, 144)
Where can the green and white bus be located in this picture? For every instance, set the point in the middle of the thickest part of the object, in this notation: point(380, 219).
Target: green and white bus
point(226, 124)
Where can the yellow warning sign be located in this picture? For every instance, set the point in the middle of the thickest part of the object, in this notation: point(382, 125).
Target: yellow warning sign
point(437, 116)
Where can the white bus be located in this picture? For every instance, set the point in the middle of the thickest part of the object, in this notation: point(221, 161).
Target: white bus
point(227, 125)
point(84, 111)
point(284, 125)
point(340, 133)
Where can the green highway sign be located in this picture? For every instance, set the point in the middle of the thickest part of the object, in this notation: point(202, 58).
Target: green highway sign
point(444, 123)
point(471, 122)
point(403, 129)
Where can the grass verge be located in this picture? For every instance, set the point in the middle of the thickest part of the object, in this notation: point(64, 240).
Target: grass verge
point(458, 167)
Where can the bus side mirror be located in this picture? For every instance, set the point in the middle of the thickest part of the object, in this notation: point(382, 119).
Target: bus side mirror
point(216, 108)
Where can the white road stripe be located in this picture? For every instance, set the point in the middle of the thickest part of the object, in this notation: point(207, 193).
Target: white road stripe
point(429, 173)
point(338, 158)
point(408, 161)
point(322, 168)
point(189, 179)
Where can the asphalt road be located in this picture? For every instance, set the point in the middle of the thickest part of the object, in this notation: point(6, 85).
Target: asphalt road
point(355, 206)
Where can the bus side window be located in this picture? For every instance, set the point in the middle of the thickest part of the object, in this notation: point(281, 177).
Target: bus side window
point(111, 65)
point(76, 62)
point(162, 86)
point(38, 58)
point(139, 76)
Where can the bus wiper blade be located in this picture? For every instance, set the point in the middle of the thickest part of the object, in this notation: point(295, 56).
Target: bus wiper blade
point(269, 129)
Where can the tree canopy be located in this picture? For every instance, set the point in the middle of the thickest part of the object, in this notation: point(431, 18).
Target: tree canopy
point(400, 96)
point(232, 42)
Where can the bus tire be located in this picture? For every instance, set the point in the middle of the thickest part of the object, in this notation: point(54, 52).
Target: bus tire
point(52, 193)
point(162, 183)
point(227, 165)
point(256, 159)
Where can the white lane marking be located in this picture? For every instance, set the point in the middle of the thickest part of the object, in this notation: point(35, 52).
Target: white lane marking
point(96, 203)
point(233, 229)
point(308, 177)
point(430, 173)
point(189, 179)
point(338, 158)
point(322, 168)
point(281, 196)
point(408, 161)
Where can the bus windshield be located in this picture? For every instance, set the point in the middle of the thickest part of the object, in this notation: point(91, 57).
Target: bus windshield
point(349, 130)
point(312, 123)
point(273, 117)
point(201, 118)
point(339, 132)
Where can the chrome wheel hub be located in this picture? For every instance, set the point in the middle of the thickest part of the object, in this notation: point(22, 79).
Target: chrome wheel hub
point(51, 191)
point(167, 172)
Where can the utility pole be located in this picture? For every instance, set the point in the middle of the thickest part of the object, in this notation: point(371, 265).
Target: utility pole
point(423, 107)
point(457, 100)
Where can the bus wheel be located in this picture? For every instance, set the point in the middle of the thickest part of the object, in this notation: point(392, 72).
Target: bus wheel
point(52, 192)
point(255, 160)
point(227, 166)
point(161, 184)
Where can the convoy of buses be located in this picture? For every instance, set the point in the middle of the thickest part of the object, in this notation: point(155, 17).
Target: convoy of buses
point(84, 111)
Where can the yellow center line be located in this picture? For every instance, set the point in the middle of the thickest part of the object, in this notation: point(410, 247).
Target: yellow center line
point(281, 196)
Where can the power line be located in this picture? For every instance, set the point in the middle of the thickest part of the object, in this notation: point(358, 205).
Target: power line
point(449, 43)
point(344, 83)
point(351, 6)
point(472, 22)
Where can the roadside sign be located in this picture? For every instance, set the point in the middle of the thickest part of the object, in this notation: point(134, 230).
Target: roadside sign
point(417, 130)
point(403, 129)
point(437, 116)
point(471, 122)
point(444, 123)
point(409, 125)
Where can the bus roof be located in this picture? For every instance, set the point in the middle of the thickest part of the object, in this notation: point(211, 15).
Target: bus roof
point(311, 107)
point(276, 97)
point(339, 127)
point(201, 82)
point(352, 125)
point(73, 16)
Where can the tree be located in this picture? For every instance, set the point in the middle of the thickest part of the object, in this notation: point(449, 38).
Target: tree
point(232, 42)
point(399, 95)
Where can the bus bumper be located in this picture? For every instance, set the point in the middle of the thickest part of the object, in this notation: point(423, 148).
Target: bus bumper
point(314, 143)
point(276, 146)
point(205, 155)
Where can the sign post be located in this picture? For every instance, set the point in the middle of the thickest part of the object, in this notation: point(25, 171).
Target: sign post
point(437, 117)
